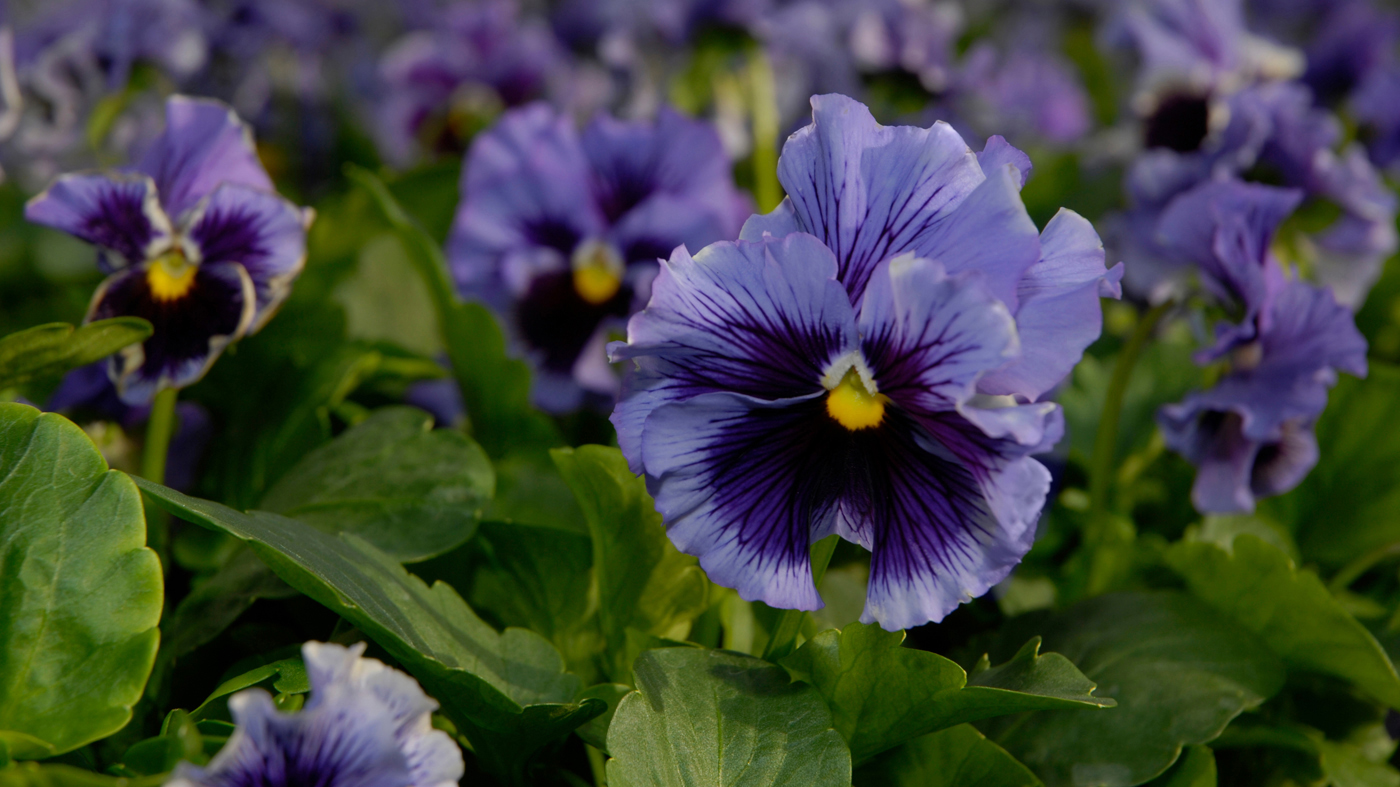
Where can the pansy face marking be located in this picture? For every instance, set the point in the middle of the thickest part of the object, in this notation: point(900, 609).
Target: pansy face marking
point(195, 240)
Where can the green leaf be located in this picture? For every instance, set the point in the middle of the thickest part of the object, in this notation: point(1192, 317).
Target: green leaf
point(180, 739)
point(214, 603)
point(55, 348)
point(644, 582)
point(80, 592)
point(1195, 768)
point(287, 676)
point(32, 774)
point(533, 577)
point(708, 718)
point(1179, 670)
point(956, 757)
point(530, 490)
point(1350, 503)
point(505, 691)
point(393, 480)
point(882, 694)
point(1289, 609)
point(496, 388)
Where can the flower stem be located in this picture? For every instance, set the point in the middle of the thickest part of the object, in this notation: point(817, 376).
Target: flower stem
point(159, 429)
point(1106, 440)
point(767, 191)
point(790, 621)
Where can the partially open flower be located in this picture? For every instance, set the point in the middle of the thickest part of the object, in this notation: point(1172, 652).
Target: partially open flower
point(196, 240)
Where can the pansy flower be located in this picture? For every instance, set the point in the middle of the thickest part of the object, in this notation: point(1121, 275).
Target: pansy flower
point(365, 725)
point(560, 231)
point(1251, 436)
point(867, 361)
point(195, 240)
point(479, 58)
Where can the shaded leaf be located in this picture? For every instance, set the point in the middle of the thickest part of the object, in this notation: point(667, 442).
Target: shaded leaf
point(1291, 610)
point(32, 774)
point(55, 348)
point(1179, 670)
point(495, 387)
point(287, 676)
point(708, 718)
point(644, 582)
point(1195, 768)
point(505, 691)
point(882, 694)
point(956, 757)
point(393, 480)
point(1350, 503)
point(80, 594)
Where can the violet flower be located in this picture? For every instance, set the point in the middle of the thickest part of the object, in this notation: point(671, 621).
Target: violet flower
point(868, 362)
point(560, 231)
point(195, 240)
point(365, 725)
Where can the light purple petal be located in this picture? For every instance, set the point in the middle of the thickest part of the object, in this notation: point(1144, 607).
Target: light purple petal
point(734, 480)
point(780, 223)
point(928, 336)
point(117, 212)
point(871, 192)
point(259, 230)
point(204, 144)
point(1060, 314)
point(759, 318)
point(941, 530)
point(998, 153)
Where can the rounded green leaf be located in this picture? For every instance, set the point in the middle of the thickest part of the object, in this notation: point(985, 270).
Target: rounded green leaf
point(81, 593)
point(412, 491)
point(1179, 670)
point(709, 718)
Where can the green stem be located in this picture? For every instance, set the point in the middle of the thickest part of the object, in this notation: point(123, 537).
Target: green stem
point(1106, 440)
point(767, 191)
point(598, 765)
point(159, 429)
point(1353, 570)
point(790, 621)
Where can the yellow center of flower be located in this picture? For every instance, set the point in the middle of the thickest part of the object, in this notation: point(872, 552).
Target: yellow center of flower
point(597, 271)
point(853, 405)
point(170, 276)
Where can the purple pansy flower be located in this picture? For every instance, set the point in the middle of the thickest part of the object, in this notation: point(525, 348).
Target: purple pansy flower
point(1251, 435)
point(867, 361)
point(561, 231)
point(477, 58)
point(365, 725)
point(195, 239)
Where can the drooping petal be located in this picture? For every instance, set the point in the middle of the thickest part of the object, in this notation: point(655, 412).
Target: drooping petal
point(1060, 313)
point(189, 330)
point(743, 484)
point(928, 336)
point(941, 529)
point(1226, 229)
point(1312, 338)
point(758, 318)
point(204, 144)
point(871, 192)
point(118, 212)
point(526, 185)
point(258, 230)
point(780, 223)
